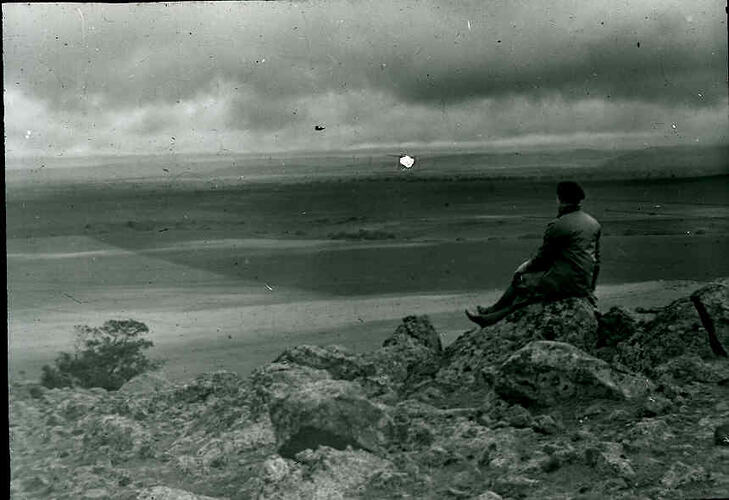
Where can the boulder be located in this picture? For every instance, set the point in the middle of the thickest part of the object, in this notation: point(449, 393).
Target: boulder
point(695, 326)
point(409, 355)
point(681, 474)
point(471, 360)
point(328, 412)
point(610, 460)
point(325, 473)
point(277, 380)
point(691, 368)
point(545, 373)
point(418, 329)
point(336, 360)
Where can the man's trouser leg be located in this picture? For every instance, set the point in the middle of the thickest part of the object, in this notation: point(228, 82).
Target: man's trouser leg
point(509, 296)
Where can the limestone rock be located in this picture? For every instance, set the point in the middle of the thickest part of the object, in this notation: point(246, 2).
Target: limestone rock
point(337, 361)
point(472, 358)
point(419, 329)
point(690, 368)
point(648, 434)
point(274, 469)
point(680, 329)
point(222, 383)
point(165, 493)
point(326, 473)
point(118, 435)
point(610, 460)
point(328, 412)
point(277, 380)
point(680, 474)
point(545, 373)
point(146, 383)
point(410, 354)
point(615, 326)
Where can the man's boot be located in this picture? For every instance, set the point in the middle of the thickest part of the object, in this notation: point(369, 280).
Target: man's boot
point(484, 320)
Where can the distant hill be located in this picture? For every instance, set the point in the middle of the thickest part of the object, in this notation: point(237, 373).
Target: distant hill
point(676, 161)
point(586, 164)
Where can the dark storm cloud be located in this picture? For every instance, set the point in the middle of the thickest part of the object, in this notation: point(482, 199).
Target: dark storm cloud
point(373, 70)
point(650, 58)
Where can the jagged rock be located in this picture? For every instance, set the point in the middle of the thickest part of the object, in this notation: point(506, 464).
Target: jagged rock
point(547, 424)
point(215, 434)
point(165, 493)
point(336, 360)
point(545, 373)
point(680, 329)
point(117, 435)
point(655, 405)
point(514, 485)
point(692, 368)
point(610, 460)
point(146, 383)
point(410, 354)
point(326, 473)
point(222, 383)
point(328, 412)
point(680, 474)
point(470, 361)
point(712, 304)
point(274, 469)
point(615, 326)
point(416, 328)
point(649, 433)
point(277, 380)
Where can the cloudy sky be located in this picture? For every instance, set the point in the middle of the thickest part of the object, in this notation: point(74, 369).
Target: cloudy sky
point(258, 77)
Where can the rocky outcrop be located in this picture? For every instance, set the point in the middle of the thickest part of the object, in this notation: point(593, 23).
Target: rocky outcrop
point(553, 402)
point(410, 354)
point(546, 373)
point(165, 493)
point(471, 360)
point(415, 330)
point(320, 473)
point(694, 327)
point(336, 360)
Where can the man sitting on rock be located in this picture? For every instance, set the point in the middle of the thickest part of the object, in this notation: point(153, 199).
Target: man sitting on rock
point(566, 265)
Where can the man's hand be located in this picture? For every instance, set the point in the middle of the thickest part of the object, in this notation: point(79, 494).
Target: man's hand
point(522, 268)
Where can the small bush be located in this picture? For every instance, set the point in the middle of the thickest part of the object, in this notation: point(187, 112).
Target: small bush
point(105, 356)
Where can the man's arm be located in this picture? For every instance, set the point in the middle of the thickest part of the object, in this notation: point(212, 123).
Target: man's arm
point(546, 253)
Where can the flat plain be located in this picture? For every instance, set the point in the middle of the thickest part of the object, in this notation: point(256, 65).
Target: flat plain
point(230, 260)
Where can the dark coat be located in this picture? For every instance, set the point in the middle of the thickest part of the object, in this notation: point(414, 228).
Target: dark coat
point(569, 257)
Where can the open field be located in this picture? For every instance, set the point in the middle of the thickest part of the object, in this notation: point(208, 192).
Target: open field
point(227, 272)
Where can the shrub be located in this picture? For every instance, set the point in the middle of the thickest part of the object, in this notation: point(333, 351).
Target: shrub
point(105, 356)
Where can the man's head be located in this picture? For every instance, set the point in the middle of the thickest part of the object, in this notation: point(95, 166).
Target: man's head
point(570, 193)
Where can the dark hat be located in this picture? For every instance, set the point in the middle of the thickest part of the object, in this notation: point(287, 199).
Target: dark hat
point(570, 192)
